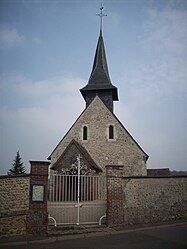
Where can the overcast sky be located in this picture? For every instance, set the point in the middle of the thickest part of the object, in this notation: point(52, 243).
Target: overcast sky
point(47, 49)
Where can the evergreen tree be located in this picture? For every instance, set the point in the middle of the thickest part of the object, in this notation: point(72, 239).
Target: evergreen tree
point(17, 166)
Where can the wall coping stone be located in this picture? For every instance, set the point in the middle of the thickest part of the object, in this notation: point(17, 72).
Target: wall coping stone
point(40, 162)
point(14, 176)
point(149, 177)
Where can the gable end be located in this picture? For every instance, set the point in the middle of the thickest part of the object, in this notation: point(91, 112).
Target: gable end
point(69, 155)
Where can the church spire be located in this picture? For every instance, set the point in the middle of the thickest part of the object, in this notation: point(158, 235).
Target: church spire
point(100, 75)
point(99, 82)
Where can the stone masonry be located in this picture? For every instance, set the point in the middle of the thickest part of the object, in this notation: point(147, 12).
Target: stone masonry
point(141, 200)
point(14, 204)
point(154, 199)
point(19, 214)
point(122, 150)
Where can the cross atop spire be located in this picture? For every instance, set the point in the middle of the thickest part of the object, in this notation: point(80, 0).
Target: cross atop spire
point(101, 15)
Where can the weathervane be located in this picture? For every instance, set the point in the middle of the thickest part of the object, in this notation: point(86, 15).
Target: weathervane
point(101, 15)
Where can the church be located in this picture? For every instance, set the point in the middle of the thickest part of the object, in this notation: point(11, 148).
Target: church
point(95, 142)
point(97, 134)
point(98, 173)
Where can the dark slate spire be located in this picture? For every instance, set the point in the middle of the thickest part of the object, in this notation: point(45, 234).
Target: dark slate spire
point(99, 82)
point(99, 76)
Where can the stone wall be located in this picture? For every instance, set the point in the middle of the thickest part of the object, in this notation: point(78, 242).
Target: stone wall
point(154, 199)
point(12, 226)
point(23, 209)
point(14, 204)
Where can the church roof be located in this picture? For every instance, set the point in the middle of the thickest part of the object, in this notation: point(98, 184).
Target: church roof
point(99, 78)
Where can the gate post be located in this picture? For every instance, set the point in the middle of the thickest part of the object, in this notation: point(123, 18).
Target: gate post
point(115, 196)
point(37, 218)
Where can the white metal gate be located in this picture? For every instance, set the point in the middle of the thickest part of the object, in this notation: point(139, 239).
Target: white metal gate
point(76, 199)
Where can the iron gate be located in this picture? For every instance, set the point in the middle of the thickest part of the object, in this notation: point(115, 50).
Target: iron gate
point(76, 199)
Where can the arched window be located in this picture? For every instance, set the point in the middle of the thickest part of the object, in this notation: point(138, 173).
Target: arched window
point(111, 132)
point(85, 133)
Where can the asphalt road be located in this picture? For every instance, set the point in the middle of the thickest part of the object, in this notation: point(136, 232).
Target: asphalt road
point(170, 237)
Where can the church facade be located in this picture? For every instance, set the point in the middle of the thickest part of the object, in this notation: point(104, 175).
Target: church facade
point(97, 134)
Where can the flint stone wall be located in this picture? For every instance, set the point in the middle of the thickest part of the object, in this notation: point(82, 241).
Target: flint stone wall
point(154, 199)
point(14, 204)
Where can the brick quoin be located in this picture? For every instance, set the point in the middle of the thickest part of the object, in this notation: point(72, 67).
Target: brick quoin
point(115, 197)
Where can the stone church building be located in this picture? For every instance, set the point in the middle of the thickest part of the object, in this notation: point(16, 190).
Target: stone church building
point(98, 174)
point(97, 134)
point(98, 171)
